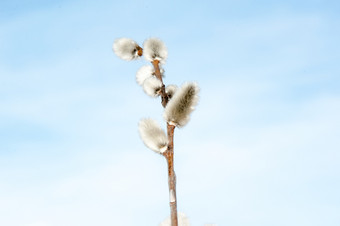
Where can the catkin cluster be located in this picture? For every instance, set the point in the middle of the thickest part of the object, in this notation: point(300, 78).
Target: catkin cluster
point(180, 101)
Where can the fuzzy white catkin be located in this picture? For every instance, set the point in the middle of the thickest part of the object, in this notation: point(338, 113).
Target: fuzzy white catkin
point(182, 220)
point(152, 86)
point(177, 111)
point(143, 73)
point(171, 90)
point(155, 49)
point(125, 48)
point(153, 135)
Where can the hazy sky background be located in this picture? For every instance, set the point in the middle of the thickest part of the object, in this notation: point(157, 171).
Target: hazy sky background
point(262, 148)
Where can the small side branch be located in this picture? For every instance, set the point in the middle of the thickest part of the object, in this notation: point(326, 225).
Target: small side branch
point(158, 75)
point(139, 51)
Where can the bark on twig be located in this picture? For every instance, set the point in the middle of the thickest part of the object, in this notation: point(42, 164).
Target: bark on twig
point(169, 153)
point(158, 75)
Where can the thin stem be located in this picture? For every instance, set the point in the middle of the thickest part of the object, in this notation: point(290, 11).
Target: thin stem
point(158, 75)
point(169, 153)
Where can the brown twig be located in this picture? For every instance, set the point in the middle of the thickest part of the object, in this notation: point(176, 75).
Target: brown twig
point(169, 153)
point(158, 75)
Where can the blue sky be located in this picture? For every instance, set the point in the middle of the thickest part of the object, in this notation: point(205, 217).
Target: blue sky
point(262, 148)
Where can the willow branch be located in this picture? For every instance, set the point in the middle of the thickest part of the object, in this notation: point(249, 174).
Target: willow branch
point(169, 153)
